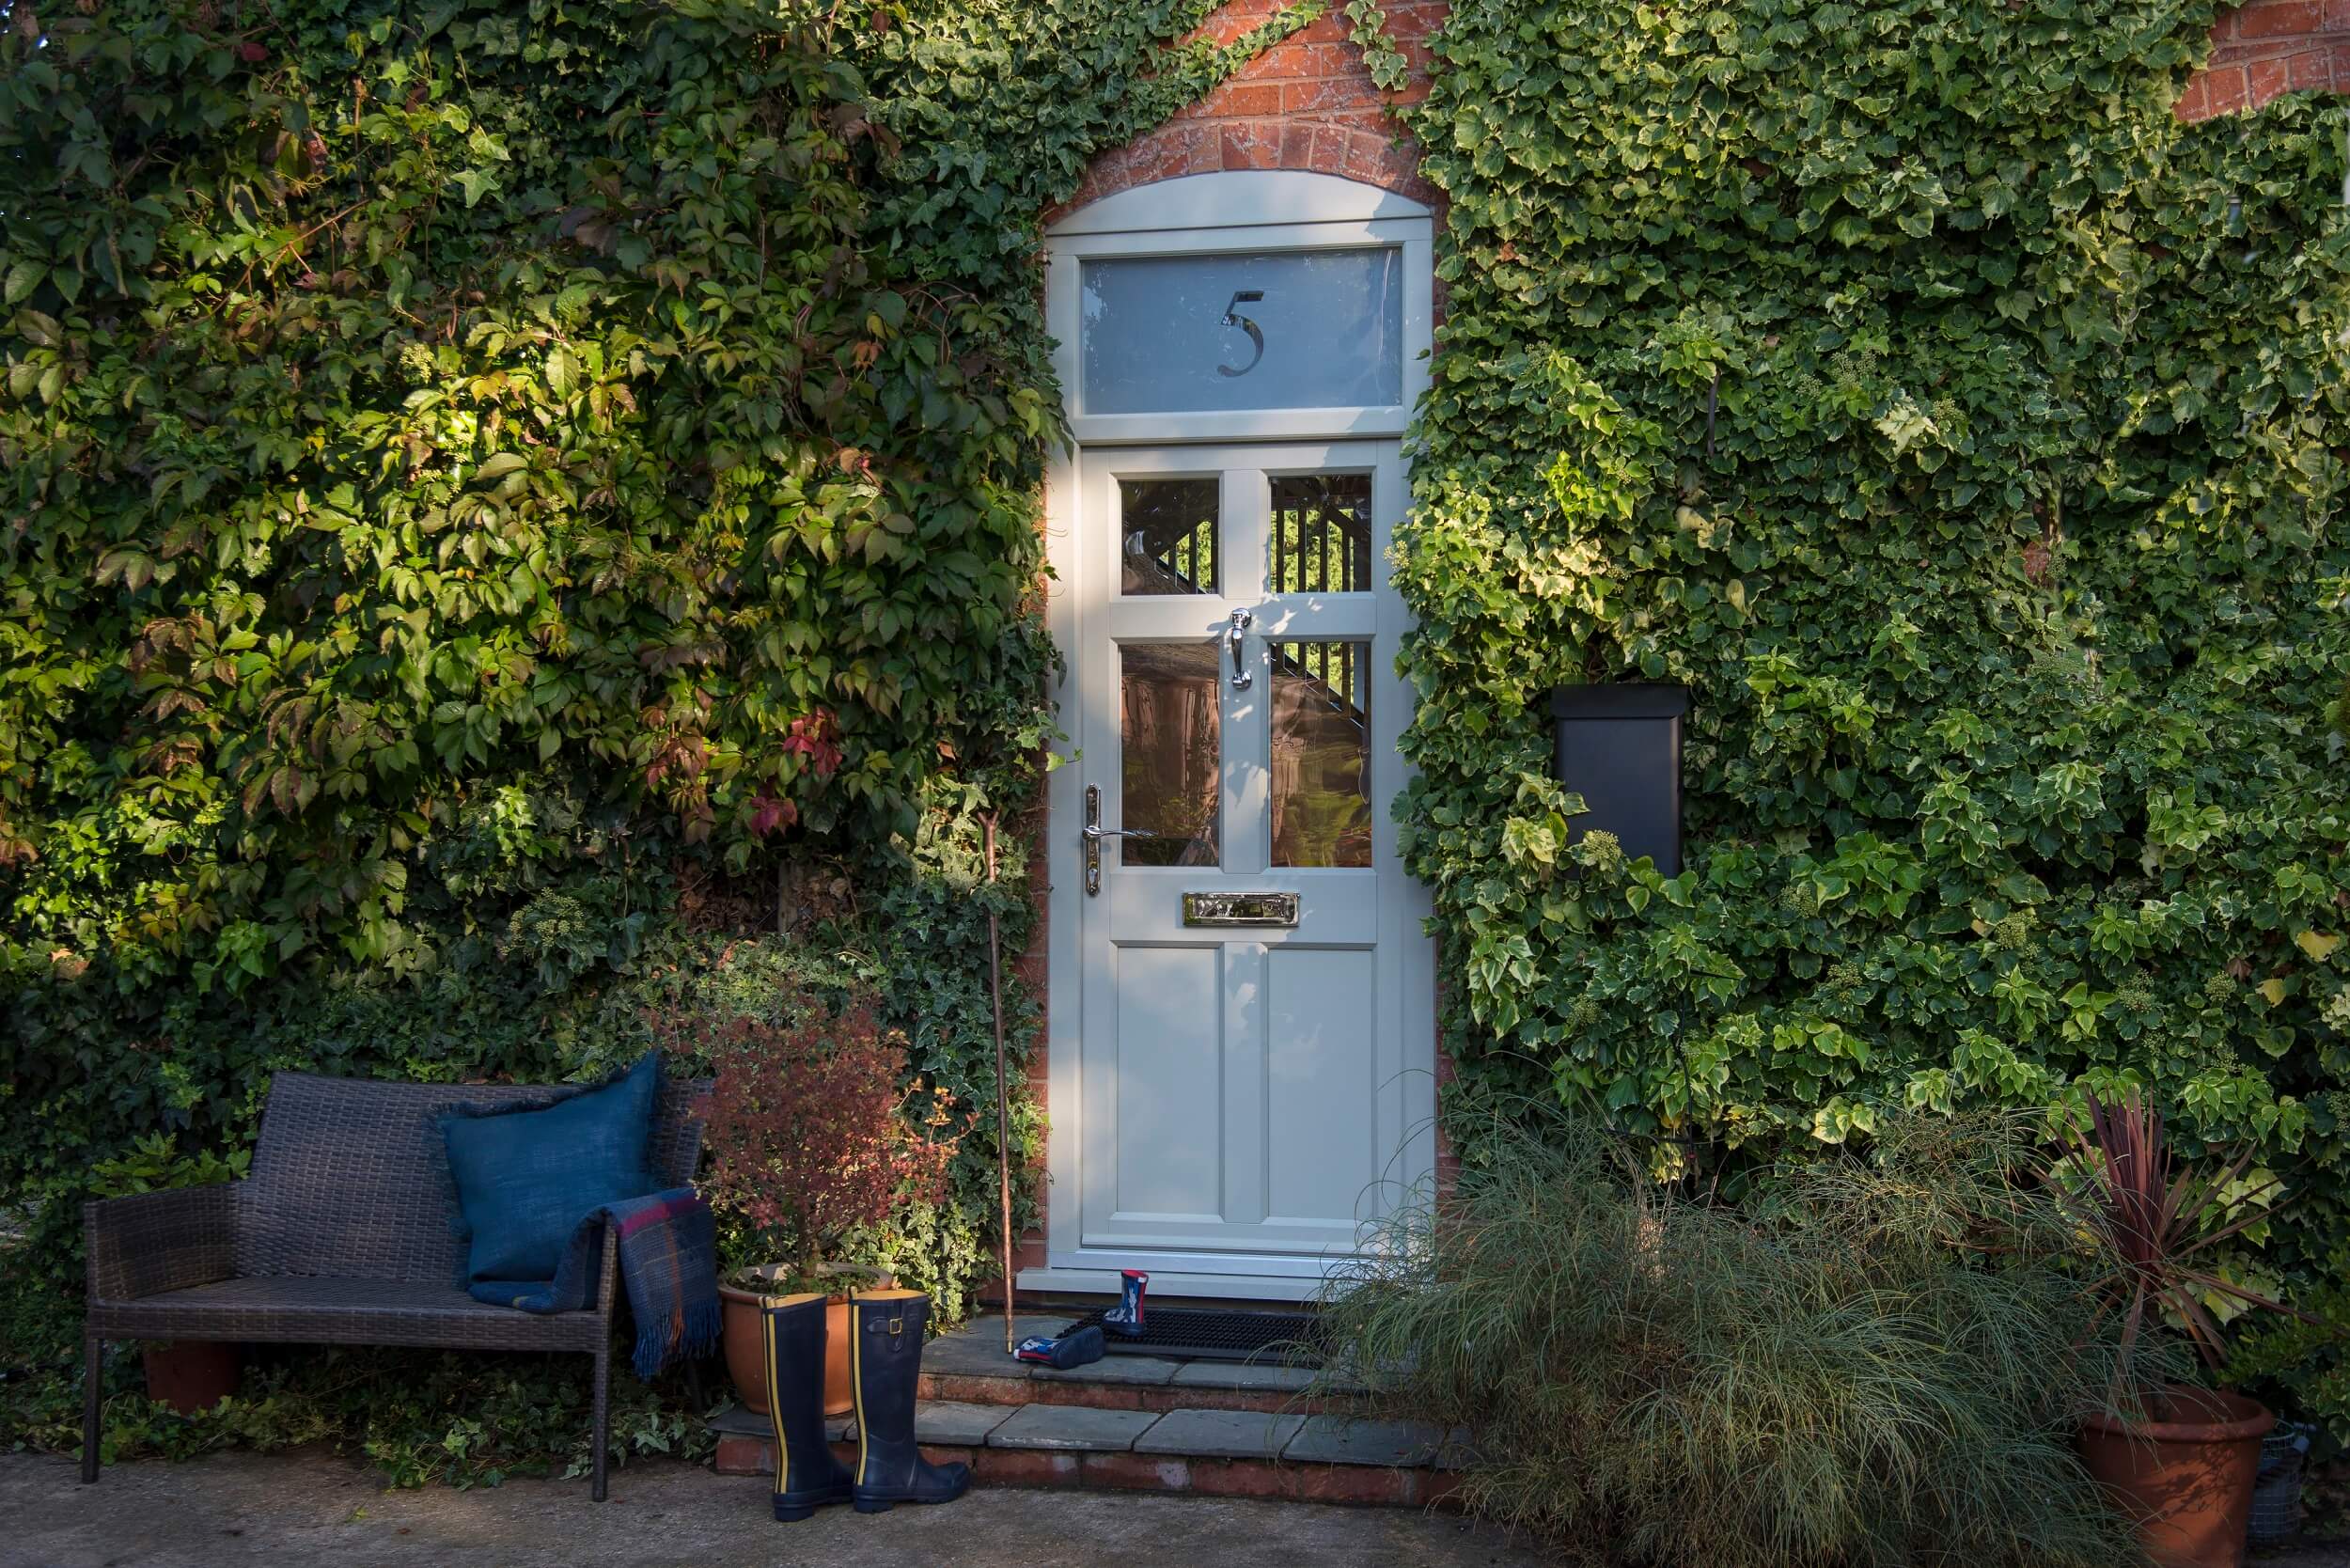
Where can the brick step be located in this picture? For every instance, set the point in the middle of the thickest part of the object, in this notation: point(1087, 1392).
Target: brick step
point(1212, 1453)
point(969, 1367)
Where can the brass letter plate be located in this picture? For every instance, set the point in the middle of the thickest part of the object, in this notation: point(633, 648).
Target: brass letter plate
point(1240, 909)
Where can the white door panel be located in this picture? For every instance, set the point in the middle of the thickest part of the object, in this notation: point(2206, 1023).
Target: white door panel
point(1249, 1095)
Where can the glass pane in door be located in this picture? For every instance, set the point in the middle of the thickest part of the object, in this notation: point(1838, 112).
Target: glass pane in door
point(1166, 529)
point(1321, 753)
point(1170, 751)
point(1275, 329)
point(1321, 534)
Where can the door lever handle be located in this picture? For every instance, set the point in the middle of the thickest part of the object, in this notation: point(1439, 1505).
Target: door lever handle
point(1094, 833)
point(1233, 630)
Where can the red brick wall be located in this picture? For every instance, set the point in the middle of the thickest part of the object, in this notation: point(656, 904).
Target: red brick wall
point(1306, 103)
point(2269, 48)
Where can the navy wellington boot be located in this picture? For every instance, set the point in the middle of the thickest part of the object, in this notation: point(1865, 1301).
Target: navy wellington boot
point(806, 1475)
point(886, 1329)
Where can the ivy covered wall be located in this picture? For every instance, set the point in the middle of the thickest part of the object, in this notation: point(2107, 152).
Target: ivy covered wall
point(519, 518)
point(1968, 433)
point(509, 508)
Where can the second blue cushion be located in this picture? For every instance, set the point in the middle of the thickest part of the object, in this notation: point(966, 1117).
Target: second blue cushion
point(526, 1179)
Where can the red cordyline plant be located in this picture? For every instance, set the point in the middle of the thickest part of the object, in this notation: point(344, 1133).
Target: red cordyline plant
point(2153, 1225)
point(810, 1132)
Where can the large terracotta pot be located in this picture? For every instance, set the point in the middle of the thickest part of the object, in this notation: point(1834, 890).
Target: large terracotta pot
point(747, 1358)
point(2186, 1476)
point(192, 1375)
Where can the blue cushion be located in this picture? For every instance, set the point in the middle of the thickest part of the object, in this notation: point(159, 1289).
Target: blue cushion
point(526, 1179)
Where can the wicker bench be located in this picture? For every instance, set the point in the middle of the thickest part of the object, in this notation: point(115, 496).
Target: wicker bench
point(344, 1233)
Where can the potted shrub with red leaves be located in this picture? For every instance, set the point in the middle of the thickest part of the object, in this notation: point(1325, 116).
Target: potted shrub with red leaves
point(813, 1134)
point(2181, 1460)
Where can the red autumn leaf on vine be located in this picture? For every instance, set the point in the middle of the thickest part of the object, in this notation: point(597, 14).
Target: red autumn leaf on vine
point(769, 813)
point(681, 756)
point(815, 735)
point(251, 53)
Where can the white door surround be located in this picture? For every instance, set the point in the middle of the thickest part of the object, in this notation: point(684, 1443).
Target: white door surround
point(1230, 1103)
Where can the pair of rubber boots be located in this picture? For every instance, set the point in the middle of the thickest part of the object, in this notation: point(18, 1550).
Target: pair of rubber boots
point(885, 1332)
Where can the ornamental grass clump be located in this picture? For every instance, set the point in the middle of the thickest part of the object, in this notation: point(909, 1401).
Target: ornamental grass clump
point(1866, 1365)
point(812, 1134)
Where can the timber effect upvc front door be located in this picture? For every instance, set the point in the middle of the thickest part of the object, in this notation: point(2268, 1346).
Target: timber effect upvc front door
point(1249, 1002)
point(1241, 1019)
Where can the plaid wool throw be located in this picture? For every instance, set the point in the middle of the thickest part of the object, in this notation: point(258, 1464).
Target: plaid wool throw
point(668, 1264)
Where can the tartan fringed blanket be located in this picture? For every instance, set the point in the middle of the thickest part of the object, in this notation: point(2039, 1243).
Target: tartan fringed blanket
point(668, 1264)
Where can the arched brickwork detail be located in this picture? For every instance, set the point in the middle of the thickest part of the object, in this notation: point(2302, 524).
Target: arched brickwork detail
point(1307, 103)
point(2269, 48)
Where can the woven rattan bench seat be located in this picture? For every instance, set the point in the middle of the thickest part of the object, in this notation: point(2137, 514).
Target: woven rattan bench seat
point(292, 1309)
point(345, 1232)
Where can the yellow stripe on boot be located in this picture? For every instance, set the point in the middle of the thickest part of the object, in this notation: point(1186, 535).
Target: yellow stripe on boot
point(807, 1476)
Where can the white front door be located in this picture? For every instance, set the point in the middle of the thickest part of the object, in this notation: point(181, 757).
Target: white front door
point(1255, 1042)
point(1242, 1013)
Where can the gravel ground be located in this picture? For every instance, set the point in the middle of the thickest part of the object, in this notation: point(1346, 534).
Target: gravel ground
point(314, 1508)
point(310, 1508)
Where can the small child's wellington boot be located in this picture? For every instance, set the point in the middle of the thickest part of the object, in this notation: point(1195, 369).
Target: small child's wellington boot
point(1125, 1319)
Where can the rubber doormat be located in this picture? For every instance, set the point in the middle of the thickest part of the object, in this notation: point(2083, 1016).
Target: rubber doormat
point(1220, 1334)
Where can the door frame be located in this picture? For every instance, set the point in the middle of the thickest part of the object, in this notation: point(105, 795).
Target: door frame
point(1205, 214)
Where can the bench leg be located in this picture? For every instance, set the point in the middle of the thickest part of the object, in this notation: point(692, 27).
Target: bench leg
point(603, 1419)
point(694, 1384)
point(93, 1375)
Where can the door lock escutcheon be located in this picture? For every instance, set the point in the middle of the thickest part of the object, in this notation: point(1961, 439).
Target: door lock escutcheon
point(1095, 833)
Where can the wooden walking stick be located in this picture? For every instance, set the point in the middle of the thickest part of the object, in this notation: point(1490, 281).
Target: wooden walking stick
point(1003, 1099)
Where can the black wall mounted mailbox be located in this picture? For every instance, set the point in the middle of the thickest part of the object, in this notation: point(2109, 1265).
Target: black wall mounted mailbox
point(1619, 746)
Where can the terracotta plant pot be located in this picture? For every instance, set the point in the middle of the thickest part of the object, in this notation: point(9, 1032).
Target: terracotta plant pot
point(2186, 1478)
point(192, 1375)
point(747, 1360)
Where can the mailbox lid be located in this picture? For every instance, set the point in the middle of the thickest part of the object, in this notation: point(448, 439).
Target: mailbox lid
point(1627, 700)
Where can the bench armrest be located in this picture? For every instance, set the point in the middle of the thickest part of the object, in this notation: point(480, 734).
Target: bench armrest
point(154, 1242)
point(608, 1269)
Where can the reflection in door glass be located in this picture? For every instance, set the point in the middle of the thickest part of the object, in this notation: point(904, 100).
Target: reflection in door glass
point(1168, 528)
point(1170, 751)
point(1321, 534)
point(1321, 753)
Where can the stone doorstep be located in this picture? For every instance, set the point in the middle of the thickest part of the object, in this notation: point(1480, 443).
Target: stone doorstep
point(1209, 1451)
point(1219, 1434)
point(1178, 1395)
point(1074, 1428)
point(969, 1367)
point(976, 1351)
point(735, 1422)
point(1359, 1486)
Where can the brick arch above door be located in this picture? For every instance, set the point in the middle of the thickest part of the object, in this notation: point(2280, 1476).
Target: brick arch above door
point(1307, 104)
